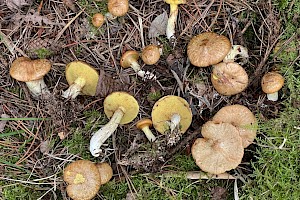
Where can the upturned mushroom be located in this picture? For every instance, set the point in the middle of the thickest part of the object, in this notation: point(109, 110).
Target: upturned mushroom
point(83, 179)
point(130, 59)
point(271, 83)
point(170, 113)
point(117, 8)
point(237, 50)
point(229, 78)
point(240, 117)
point(31, 72)
point(207, 49)
point(82, 78)
point(170, 32)
point(121, 108)
point(144, 125)
point(220, 150)
point(105, 171)
point(151, 54)
point(98, 20)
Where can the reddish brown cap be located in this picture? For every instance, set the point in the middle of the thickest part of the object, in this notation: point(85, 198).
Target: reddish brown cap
point(272, 82)
point(118, 8)
point(240, 117)
point(24, 69)
point(220, 150)
point(128, 57)
point(208, 49)
point(106, 172)
point(229, 78)
point(150, 54)
point(83, 180)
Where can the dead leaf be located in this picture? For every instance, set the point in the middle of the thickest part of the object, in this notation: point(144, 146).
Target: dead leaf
point(3, 122)
point(35, 18)
point(159, 25)
point(17, 4)
point(70, 4)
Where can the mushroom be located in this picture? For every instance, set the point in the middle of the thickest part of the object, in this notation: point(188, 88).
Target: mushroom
point(121, 108)
point(271, 83)
point(220, 150)
point(117, 8)
point(151, 54)
point(173, 16)
point(83, 179)
point(144, 125)
point(105, 171)
point(82, 78)
point(170, 113)
point(240, 117)
point(31, 72)
point(235, 51)
point(130, 59)
point(208, 49)
point(98, 20)
point(229, 78)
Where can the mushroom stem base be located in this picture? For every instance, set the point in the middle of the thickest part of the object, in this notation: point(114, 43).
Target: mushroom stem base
point(38, 87)
point(105, 132)
point(273, 96)
point(141, 73)
point(149, 134)
point(235, 51)
point(74, 90)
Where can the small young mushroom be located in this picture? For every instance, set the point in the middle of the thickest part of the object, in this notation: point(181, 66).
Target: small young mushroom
point(229, 78)
point(117, 8)
point(31, 72)
point(121, 108)
point(98, 20)
point(220, 150)
point(208, 49)
point(235, 51)
point(271, 83)
point(151, 54)
point(83, 180)
point(240, 117)
point(173, 16)
point(144, 125)
point(82, 79)
point(170, 113)
point(130, 59)
point(106, 172)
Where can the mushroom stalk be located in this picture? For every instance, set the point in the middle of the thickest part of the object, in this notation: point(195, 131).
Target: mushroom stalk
point(105, 132)
point(37, 87)
point(141, 73)
point(74, 90)
point(273, 96)
point(172, 21)
point(149, 134)
point(175, 120)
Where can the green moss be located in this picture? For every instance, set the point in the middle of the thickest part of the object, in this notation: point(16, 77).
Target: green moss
point(19, 192)
point(43, 53)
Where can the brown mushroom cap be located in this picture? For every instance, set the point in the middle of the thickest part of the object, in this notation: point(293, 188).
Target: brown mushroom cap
point(220, 150)
point(272, 82)
point(128, 57)
point(150, 54)
point(208, 49)
point(24, 69)
point(121, 99)
point(118, 7)
point(106, 172)
point(143, 123)
point(240, 117)
point(83, 179)
point(229, 78)
point(79, 69)
point(98, 20)
point(165, 107)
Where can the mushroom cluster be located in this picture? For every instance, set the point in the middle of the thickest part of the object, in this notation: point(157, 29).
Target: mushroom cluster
point(232, 129)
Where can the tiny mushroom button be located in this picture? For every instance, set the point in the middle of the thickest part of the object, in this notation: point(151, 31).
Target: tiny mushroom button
point(121, 108)
point(31, 72)
point(98, 20)
point(144, 125)
point(271, 83)
point(118, 8)
point(150, 54)
point(82, 78)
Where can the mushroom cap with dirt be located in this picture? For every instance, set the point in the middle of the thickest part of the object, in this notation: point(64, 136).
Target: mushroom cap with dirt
point(271, 83)
point(118, 8)
point(31, 72)
point(82, 78)
point(208, 49)
point(121, 108)
point(240, 117)
point(151, 54)
point(83, 179)
point(171, 111)
point(220, 150)
point(229, 78)
point(106, 172)
point(98, 20)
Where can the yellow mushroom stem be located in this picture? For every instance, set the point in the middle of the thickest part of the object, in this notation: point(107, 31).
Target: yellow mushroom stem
point(172, 21)
point(105, 132)
point(141, 73)
point(149, 133)
point(273, 96)
point(235, 51)
point(74, 89)
point(174, 122)
point(38, 87)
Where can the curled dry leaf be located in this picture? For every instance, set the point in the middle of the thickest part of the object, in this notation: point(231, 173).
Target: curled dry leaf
point(158, 25)
point(3, 122)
